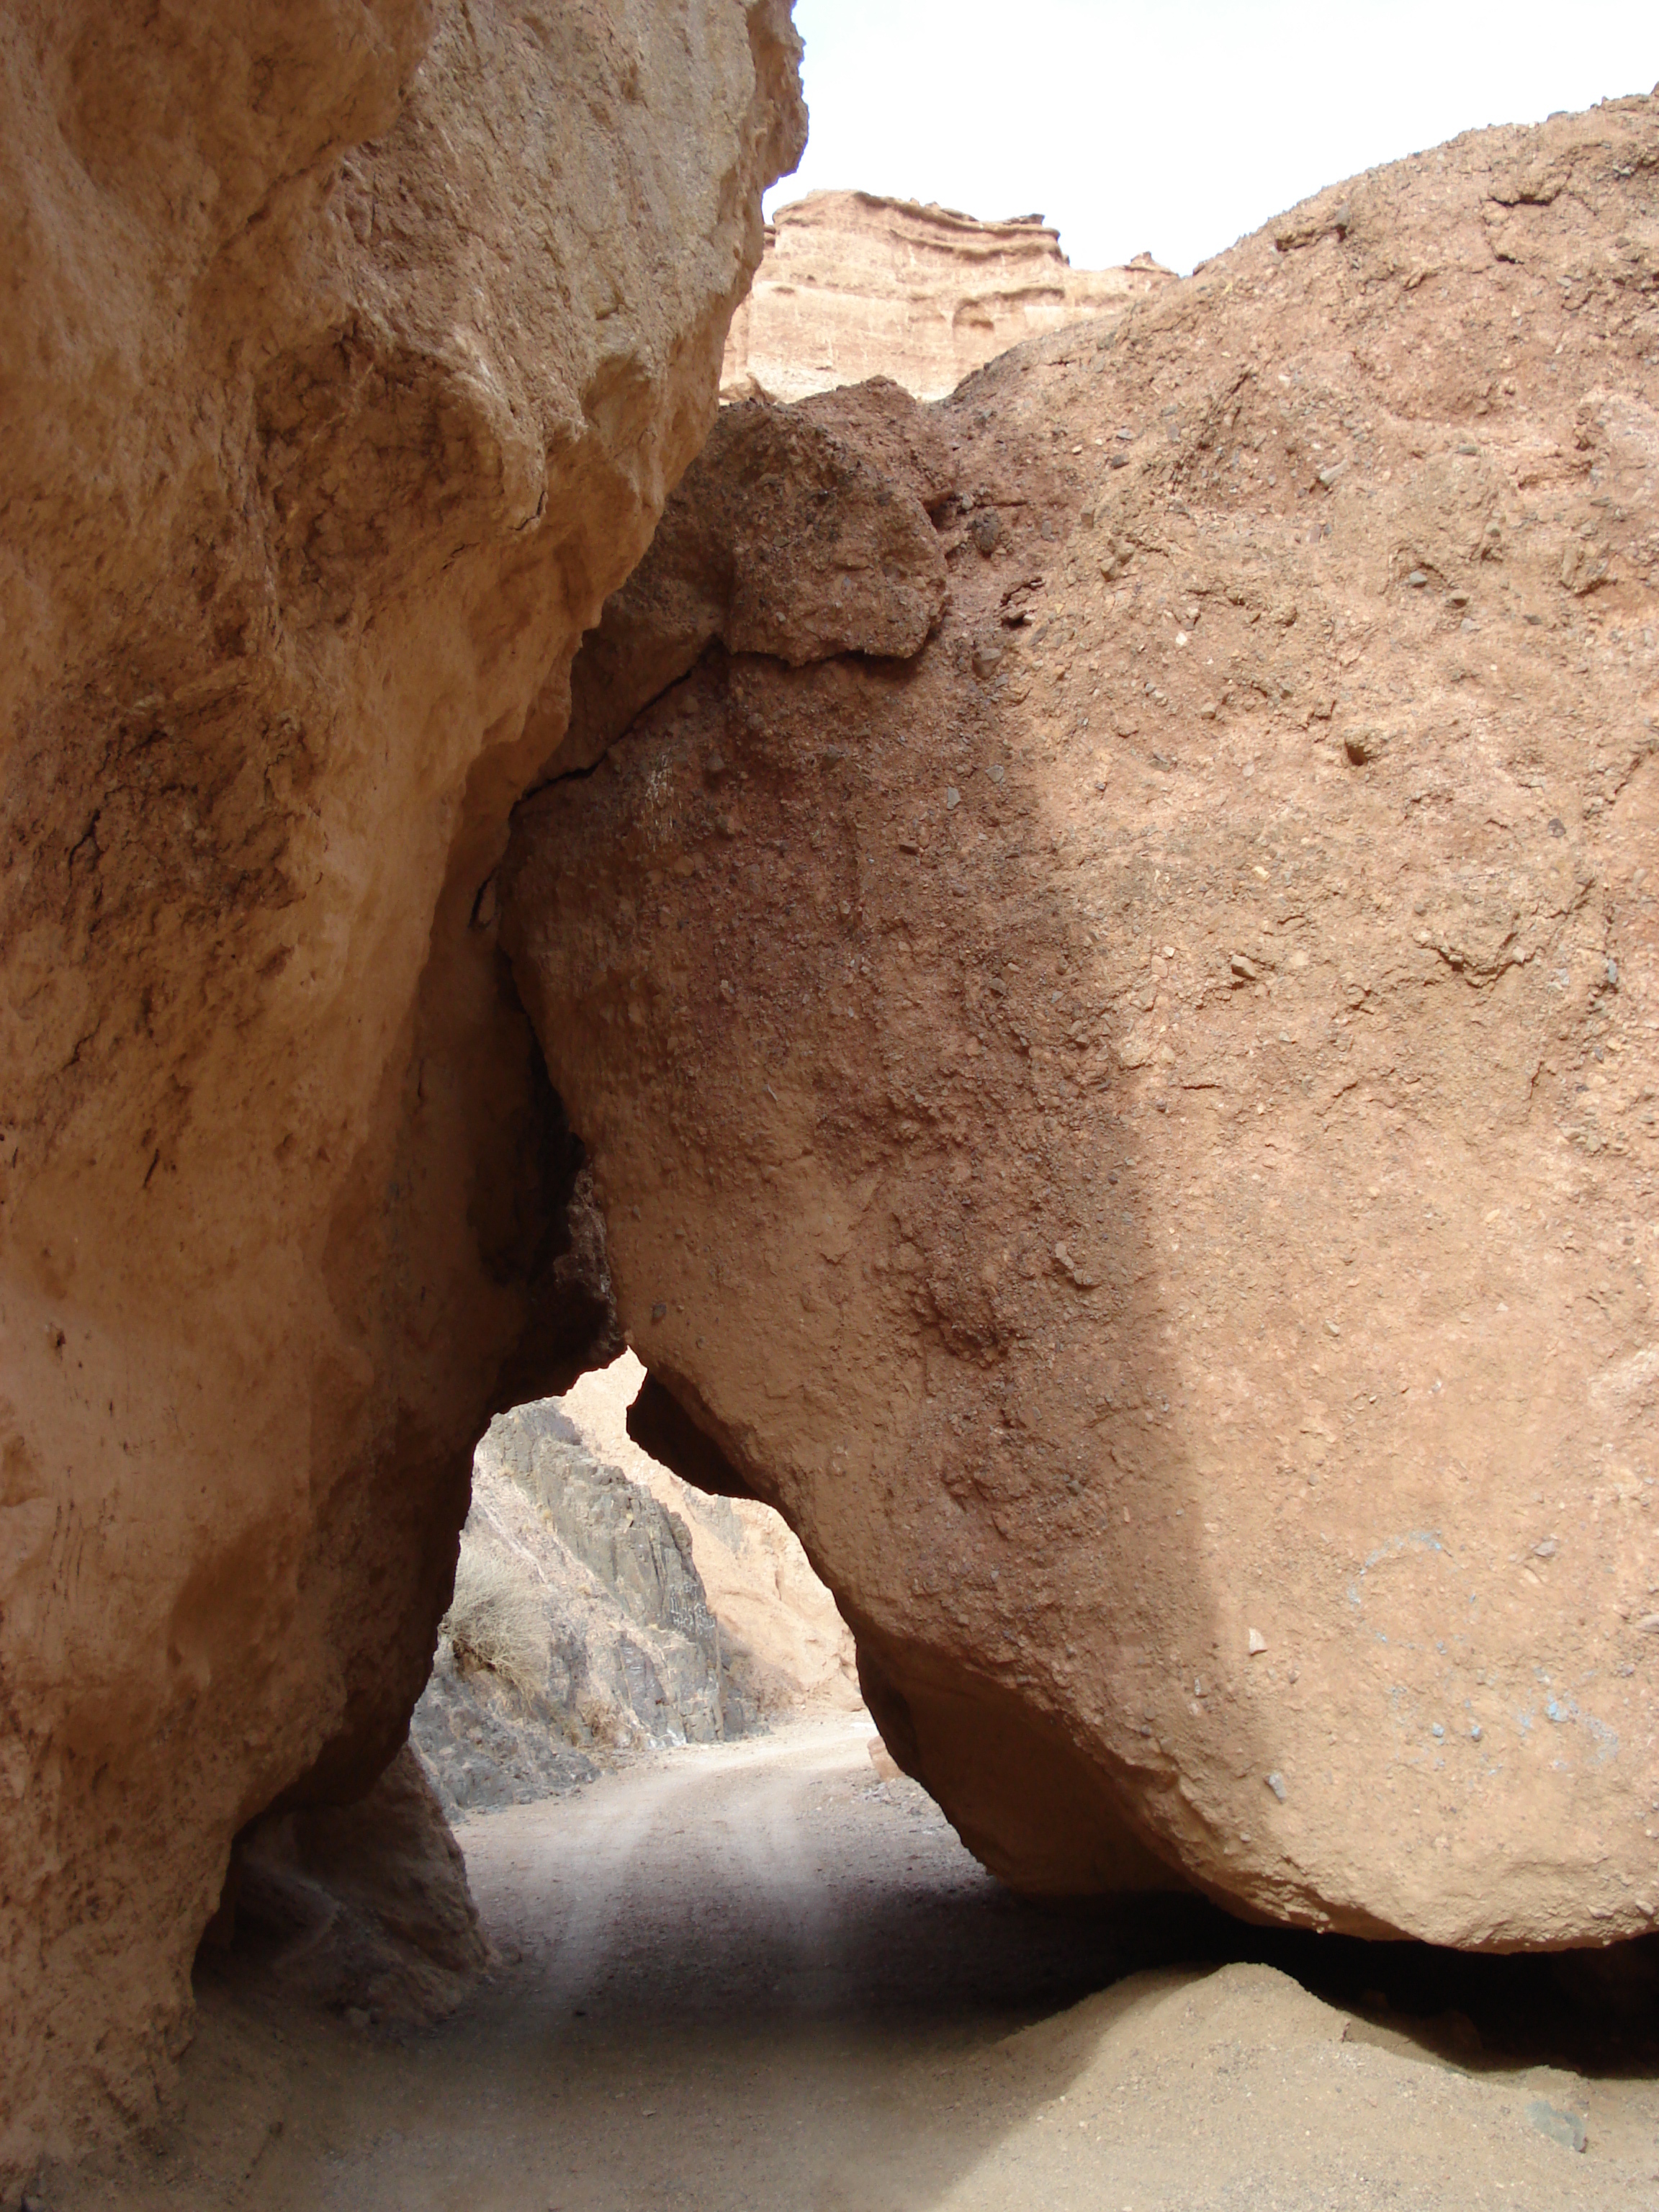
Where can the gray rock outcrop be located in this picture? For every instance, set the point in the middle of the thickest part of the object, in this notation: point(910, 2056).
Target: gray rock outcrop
point(579, 1625)
point(351, 351)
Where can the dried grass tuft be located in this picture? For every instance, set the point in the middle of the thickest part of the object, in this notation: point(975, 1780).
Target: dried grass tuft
point(496, 1617)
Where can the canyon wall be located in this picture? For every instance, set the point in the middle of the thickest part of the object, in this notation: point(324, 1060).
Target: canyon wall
point(782, 1638)
point(852, 286)
point(1109, 968)
point(351, 351)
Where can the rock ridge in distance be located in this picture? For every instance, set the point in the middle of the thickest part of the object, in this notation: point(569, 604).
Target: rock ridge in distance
point(853, 285)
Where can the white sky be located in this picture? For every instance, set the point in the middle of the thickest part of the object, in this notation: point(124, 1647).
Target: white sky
point(1178, 125)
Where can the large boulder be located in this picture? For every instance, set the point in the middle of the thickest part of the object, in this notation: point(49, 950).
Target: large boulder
point(1136, 1123)
point(579, 1618)
point(351, 349)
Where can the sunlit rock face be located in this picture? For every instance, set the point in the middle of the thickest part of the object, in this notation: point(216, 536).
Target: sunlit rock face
point(1133, 1120)
point(350, 352)
point(853, 286)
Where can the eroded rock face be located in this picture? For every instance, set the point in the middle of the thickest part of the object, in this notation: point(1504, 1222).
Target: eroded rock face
point(1135, 1125)
point(362, 1907)
point(350, 353)
point(793, 539)
point(853, 286)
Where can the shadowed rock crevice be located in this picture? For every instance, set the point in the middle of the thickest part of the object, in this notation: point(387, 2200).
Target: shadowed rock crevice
point(364, 1908)
point(660, 1425)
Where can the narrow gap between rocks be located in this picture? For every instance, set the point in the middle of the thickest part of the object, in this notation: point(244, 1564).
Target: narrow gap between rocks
point(734, 1959)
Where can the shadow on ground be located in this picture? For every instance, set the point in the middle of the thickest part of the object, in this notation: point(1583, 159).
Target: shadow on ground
point(754, 1975)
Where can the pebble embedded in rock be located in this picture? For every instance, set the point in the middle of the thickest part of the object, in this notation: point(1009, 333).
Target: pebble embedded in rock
point(1564, 2128)
point(1256, 1643)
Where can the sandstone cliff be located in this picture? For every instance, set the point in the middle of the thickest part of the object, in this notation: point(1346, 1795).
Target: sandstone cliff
point(1132, 1119)
point(852, 286)
point(350, 352)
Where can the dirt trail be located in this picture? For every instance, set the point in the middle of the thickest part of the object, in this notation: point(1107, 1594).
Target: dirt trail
point(753, 1975)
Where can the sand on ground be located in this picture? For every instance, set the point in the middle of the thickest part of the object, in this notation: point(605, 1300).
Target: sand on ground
point(755, 1975)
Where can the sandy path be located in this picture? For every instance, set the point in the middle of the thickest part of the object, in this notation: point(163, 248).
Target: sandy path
point(749, 1975)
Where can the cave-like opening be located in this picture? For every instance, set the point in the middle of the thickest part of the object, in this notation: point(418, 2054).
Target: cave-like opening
point(731, 1956)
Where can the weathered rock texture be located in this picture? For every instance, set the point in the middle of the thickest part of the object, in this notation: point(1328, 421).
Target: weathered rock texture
point(363, 1907)
point(853, 286)
point(791, 540)
point(1136, 1124)
point(349, 349)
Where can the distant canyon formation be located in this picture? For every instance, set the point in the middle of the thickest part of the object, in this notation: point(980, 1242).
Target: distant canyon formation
point(852, 286)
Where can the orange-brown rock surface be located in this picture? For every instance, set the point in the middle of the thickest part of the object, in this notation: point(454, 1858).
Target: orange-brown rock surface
point(852, 286)
point(1137, 1123)
point(350, 348)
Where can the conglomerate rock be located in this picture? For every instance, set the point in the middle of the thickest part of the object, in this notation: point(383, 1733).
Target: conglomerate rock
point(853, 285)
point(1136, 1125)
point(350, 348)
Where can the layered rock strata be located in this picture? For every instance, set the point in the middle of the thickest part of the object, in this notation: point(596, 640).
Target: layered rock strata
point(351, 351)
point(853, 286)
point(1136, 1122)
